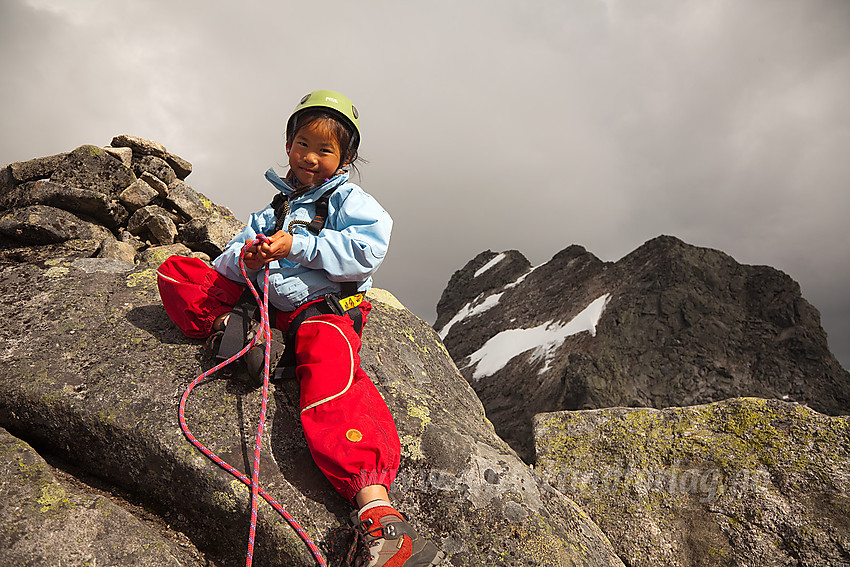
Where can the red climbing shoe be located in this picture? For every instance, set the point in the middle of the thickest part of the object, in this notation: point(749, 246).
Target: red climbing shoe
point(391, 540)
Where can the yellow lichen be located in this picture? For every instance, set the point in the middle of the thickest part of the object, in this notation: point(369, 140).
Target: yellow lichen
point(422, 413)
point(158, 256)
point(411, 447)
point(56, 272)
point(53, 498)
point(143, 278)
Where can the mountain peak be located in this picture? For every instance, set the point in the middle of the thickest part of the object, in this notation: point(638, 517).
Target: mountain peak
point(679, 325)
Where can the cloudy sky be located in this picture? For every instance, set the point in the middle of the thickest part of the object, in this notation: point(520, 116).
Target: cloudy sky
point(487, 124)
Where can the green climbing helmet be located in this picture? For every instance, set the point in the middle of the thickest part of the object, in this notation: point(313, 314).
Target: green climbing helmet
point(339, 104)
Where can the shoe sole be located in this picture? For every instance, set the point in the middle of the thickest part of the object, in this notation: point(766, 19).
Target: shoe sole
point(436, 560)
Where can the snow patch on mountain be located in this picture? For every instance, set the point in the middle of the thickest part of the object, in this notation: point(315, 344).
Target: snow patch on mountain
point(544, 339)
point(495, 260)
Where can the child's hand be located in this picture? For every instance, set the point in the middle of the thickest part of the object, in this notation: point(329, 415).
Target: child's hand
point(252, 258)
point(278, 246)
point(261, 253)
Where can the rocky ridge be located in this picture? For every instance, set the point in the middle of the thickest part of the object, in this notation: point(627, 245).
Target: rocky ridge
point(726, 456)
point(676, 325)
point(98, 472)
point(97, 468)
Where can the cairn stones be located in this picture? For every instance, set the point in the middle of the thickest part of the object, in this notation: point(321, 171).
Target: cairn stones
point(142, 147)
point(155, 166)
point(39, 224)
point(89, 167)
point(154, 223)
point(92, 204)
point(114, 202)
point(156, 183)
point(209, 235)
point(37, 168)
point(139, 146)
point(137, 195)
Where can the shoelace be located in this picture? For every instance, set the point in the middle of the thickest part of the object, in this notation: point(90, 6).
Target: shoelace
point(356, 553)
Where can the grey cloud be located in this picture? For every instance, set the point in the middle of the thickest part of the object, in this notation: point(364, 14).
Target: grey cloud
point(496, 124)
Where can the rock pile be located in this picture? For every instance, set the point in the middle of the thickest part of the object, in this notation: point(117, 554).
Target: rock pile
point(128, 201)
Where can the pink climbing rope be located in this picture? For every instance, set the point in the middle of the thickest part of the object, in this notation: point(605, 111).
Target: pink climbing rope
point(254, 481)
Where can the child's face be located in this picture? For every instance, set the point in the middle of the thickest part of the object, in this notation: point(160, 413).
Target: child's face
point(315, 154)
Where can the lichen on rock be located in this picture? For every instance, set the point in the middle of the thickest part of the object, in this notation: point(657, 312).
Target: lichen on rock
point(721, 483)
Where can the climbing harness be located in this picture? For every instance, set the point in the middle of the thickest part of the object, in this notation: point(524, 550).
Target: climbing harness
point(281, 206)
point(253, 482)
point(343, 303)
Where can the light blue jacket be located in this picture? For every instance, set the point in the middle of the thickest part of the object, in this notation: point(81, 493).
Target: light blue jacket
point(350, 247)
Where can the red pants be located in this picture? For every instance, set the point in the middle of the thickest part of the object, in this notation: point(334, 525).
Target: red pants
point(349, 429)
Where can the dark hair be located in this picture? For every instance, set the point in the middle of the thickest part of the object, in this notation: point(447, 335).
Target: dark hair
point(345, 135)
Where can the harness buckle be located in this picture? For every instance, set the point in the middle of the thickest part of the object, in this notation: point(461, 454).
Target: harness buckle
point(333, 302)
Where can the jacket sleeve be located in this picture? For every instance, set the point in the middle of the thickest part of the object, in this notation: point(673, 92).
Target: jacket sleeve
point(227, 264)
point(353, 243)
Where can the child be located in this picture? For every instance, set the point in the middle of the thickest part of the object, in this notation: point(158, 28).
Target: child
point(326, 237)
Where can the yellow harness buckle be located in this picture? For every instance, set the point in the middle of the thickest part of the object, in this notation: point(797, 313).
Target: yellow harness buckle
point(351, 301)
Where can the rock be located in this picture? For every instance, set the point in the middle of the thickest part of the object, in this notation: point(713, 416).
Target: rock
point(155, 183)
point(96, 265)
point(738, 482)
point(47, 254)
point(93, 370)
point(117, 250)
point(142, 147)
point(38, 224)
point(38, 168)
point(502, 269)
point(154, 222)
point(126, 236)
point(138, 195)
point(92, 204)
point(7, 182)
point(89, 167)
point(156, 166)
point(188, 202)
point(668, 325)
point(181, 167)
point(211, 234)
point(86, 182)
point(50, 519)
point(123, 154)
point(139, 146)
point(156, 255)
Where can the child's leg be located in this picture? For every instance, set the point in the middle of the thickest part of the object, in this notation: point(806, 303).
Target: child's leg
point(194, 294)
point(371, 493)
point(349, 429)
point(353, 438)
